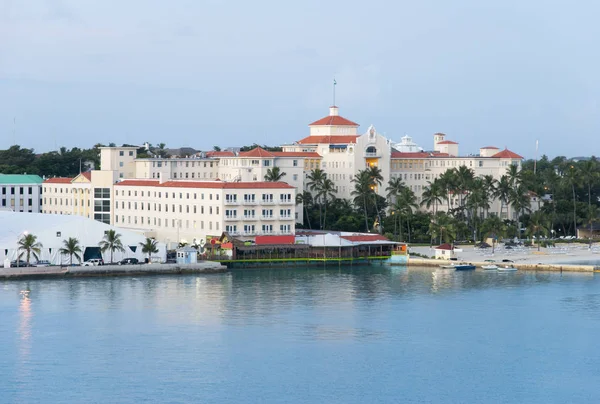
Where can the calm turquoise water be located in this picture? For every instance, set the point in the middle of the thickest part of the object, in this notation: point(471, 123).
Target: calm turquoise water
point(362, 335)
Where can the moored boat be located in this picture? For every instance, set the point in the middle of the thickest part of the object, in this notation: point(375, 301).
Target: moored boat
point(464, 267)
point(507, 268)
point(489, 267)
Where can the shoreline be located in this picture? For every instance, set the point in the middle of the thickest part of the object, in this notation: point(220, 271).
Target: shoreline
point(205, 267)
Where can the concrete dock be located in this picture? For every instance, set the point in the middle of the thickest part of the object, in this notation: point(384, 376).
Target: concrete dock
point(205, 267)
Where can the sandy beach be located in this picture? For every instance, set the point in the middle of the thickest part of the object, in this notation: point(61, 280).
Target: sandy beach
point(574, 254)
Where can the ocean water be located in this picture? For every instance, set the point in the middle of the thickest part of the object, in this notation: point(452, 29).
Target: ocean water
point(350, 335)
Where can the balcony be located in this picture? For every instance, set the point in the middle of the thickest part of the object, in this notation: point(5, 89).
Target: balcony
point(286, 217)
point(267, 217)
point(231, 218)
point(231, 202)
point(249, 202)
point(372, 155)
point(286, 202)
point(250, 217)
point(267, 202)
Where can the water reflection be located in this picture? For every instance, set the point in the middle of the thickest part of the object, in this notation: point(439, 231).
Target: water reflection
point(24, 334)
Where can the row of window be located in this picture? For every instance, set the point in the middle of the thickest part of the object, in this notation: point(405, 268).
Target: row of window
point(12, 190)
point(187, 175)
point(250, 198)
point(160, 194)
point(250, 213)
point(159, 164)
point(21, 202)
point(265, 228)
point(158, 207)
point(166, 223)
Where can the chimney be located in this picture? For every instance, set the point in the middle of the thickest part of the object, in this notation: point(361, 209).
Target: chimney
point(333, 111)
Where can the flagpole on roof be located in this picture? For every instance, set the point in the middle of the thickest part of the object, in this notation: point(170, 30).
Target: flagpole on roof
point(334, 84)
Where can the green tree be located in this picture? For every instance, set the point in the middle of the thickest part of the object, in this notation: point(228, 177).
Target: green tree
point(314, 184)
point(589, 175)
point(274, 174)
point(29, 246)
point(149, 246)
point(111, 242)
point(432, 195)
point(306, 199)
point(326, 192)
point(72, 248)
point(538, 223)
point(362, 192)
point(493, 227)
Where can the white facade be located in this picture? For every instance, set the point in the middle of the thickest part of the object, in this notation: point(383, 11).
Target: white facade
point(189, 211)
point(177, 168)
point(20, 193)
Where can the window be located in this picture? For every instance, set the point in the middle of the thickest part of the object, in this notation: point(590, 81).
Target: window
point(295, 163)
point(267, 228)
point(295, 177)
point(230, 213)
point(101, 193)
point(266, 163)
point(131, 153)
point(267, 198)
point(284, 198)
point(121, 153)
point(267, 213)
point(120, 164)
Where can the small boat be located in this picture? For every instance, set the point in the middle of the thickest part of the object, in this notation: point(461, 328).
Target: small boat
point(489, 267)
point(464, 267)
point(449, 266)
point(507, 269)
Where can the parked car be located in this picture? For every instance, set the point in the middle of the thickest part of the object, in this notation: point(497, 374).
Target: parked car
point(93, 262)
point(129, 261)
point(18, 263)
point(42, 263)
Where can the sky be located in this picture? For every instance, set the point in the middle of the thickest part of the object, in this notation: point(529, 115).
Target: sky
point(201, 73)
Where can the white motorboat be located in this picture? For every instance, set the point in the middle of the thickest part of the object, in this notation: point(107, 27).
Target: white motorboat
point(506, 268)
point(489, 267)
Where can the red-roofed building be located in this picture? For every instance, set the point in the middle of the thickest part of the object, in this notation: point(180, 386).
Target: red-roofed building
point(58, 180)
point(507, 154)
point(219, 154)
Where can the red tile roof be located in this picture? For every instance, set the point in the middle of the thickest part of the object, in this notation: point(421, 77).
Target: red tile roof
point(445, 246)
point(447, 142)
point(88, 175)
point(139, 183)
point(490, 147)
point(507, 154)
point(297, 154)
point(58, 180)
point(257, 152)
point(365, 237)
point(417, 155)
point(275, 240)
point(220, 154)
point(207, 184)
point(334, 120)
point(346, 139)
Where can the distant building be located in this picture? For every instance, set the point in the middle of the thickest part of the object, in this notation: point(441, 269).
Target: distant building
point(21, 192)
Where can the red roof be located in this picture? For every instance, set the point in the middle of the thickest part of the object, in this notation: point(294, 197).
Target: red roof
point(417, 155)
point(87, 175)
point(297, 154)
point(220, 154)
point(447, 142)
point(334, 120)
point(346, 139)
point(445, 246)
point(139, 183)
point(275, 240)
point(365, 237)
point(507, 154)
point(58, 180)
point(490, 147)
point(257, 152)
point(207, 184)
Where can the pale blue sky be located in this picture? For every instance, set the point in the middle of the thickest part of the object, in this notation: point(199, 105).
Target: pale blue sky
point(204, 72)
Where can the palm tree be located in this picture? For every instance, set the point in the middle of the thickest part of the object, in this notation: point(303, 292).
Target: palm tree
point(305, 198)
point(326, 191)
point(464, 178)
point(514, 174)
point(538, 223)
point(395, 186)
point(489, 185)
point(493, 226)
point(376, 180)
point(71, 248)
point(362, 192)
point(29, 245)
point(571, 177)
point(520, 201)
point(274, 174)
point(315, 182)
point(404, 206)
point(448, 185)
point(149, 247)
point(503, 190)
point(111, 242)
point(432, 195)
point(442, 225)
point(589, 174)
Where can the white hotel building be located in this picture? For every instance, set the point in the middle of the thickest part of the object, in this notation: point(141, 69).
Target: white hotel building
point(189, 211)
